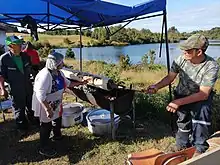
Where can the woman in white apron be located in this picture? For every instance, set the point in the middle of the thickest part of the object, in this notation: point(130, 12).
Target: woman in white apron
point(49, 85)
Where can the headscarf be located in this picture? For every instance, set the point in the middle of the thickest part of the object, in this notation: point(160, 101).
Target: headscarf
point(54, 59)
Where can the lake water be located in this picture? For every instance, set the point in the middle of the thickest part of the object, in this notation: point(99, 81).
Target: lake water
point(111, 54)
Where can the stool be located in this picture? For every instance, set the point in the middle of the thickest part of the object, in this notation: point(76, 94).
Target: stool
point(157, 157)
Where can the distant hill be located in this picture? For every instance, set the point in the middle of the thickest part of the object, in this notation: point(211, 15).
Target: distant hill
point(99, 36)
point(213, 34)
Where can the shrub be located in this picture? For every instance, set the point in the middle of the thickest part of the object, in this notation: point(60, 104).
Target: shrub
point(149, 58)
point(37, 45)
point(70, 53)
point(152, 106)
point(88, 44)
point(90, 62)
point(44, 51)
point(124, 61)
point(137, 67)
point(111, 71)
point(155, 67)
point(144, 60)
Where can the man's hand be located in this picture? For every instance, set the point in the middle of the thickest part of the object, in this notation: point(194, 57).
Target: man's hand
point(173, 106)
point(152, 89)
point(163, 83)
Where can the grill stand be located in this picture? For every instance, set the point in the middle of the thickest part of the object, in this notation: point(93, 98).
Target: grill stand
point(111, 103)
point(113, 130)
point(112, 118)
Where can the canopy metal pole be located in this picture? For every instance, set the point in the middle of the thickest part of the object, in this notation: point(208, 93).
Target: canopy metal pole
point(161, 39)
point(172, 120)
point(167, 51)
point(48, 16)
point(80, 55)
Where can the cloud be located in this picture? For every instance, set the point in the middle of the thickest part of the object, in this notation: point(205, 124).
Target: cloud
point(195, 19)
point(200, 18)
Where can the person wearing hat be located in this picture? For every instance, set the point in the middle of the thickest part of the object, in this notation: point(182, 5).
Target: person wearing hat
point(15, 69)
point(193, 94)
point(49, 85)
point(35, 59)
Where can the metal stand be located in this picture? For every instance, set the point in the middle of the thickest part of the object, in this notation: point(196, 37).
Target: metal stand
point(113, 130)
point(112, 119)
point(3, 116)
point(80, 53)
point(133, 110)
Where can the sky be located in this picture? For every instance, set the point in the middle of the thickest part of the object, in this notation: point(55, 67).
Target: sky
point(185, 15)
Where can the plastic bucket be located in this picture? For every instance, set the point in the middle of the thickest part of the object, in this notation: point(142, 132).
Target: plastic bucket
point(72, 114)
point(99, 121)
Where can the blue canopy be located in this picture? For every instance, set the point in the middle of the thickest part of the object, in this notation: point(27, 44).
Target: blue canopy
point(49, 14)
point(86, 13)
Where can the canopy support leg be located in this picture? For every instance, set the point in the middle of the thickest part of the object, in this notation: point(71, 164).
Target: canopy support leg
point(161, 39)
point(48, 16)
point(80, 51)
point(172, 122)
point(167, 52)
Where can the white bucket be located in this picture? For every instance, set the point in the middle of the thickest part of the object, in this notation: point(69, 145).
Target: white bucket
point(72, 114)
point(99, 121)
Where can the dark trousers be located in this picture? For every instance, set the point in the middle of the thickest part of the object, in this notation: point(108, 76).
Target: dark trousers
point(45, 130)
point(20, 117)
point(195, 120)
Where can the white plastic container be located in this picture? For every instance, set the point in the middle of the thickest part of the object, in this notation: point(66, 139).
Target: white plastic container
point(72, 114)
point(99, 121)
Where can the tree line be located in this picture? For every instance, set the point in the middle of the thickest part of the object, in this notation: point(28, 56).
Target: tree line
point(134, 36)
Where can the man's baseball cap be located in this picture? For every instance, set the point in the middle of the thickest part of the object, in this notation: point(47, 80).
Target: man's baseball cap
point(196, 41)
point(13, 40)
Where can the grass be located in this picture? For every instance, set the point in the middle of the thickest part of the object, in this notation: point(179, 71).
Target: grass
point(143, 78)
point(80, 147)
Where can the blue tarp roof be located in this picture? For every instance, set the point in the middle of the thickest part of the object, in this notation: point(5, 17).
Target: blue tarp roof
point(75, 12)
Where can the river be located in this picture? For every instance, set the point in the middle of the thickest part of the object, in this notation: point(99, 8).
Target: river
point(111, 54)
